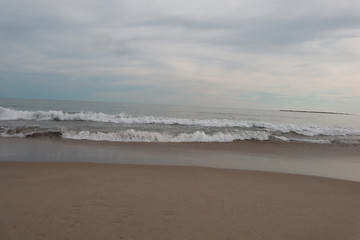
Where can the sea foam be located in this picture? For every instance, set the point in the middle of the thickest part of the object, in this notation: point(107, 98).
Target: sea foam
point(123, 119)
point(146, 136)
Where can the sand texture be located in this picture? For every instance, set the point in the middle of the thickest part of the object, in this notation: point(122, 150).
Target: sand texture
point(115, 201)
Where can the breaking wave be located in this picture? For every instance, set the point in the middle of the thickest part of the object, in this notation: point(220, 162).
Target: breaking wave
point(320, 141)
point(132, 135)
point(122, 118)
point(146, 136)
point(30, 132)
point(9, 114)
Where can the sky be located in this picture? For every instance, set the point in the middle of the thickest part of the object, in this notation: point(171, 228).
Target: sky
point(263, 54)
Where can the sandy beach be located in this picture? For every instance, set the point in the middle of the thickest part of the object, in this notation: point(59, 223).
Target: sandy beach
point(112, 201)
point(180, 120)
point(55, 189)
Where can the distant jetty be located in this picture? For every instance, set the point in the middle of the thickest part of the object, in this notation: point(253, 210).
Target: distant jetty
point(315, 112)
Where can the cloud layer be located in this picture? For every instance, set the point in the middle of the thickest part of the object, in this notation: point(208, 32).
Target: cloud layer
point(265, 54)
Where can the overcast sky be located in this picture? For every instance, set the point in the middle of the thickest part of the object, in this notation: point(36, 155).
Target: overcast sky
point(245, 53)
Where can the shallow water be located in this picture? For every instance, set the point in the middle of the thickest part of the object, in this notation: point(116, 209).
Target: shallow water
point(334, 161)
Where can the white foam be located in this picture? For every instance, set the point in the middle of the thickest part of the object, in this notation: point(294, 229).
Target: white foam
point(281, 138)
point(320, 141)
point(285, 139)
point(122, 118)
point(146, 136)
point(9, 114)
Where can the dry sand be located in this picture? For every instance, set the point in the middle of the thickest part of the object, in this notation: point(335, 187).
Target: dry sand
point(114, 201)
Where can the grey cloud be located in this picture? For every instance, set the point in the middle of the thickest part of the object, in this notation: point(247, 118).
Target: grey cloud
point(251, 33)
point(148, 46)
point(232, 30)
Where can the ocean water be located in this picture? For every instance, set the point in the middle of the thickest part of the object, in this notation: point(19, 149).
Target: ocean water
point(99, 121)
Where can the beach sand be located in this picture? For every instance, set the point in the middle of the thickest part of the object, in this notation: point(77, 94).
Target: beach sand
point(117, 201)
point(65, 189)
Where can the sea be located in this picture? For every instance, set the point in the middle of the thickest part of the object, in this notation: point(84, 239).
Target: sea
point(128, 122)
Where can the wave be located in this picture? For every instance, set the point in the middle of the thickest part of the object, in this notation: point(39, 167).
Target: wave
point(30, 132)
point(320, 141)
point(132, 135)
point(146, 136)
point(10, 114)
point(122, 118)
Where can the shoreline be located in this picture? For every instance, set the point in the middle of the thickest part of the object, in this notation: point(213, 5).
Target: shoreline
point(333, 161)
point(116, 201)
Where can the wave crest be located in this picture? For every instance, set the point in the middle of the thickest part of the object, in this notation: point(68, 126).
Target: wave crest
point(122, 118)
point(146, 136)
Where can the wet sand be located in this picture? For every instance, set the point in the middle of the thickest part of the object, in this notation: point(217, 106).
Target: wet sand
point(334, 161)
point(61, 189)
point(115, 201)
